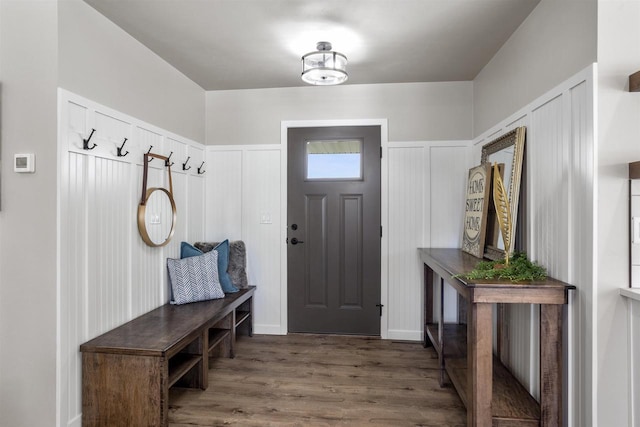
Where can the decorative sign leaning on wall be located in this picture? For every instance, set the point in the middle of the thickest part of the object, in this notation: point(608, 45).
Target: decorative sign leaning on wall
point(157, 209)
point(507, 149)
point(503, 211)
point(476, 205)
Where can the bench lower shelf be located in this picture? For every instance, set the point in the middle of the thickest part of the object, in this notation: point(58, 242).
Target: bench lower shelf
point(217, 336)
point(241, 316)
point(180, 364)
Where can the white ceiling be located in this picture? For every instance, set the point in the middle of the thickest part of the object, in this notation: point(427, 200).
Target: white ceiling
point(242, 44)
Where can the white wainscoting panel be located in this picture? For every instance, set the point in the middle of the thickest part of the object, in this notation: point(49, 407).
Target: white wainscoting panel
point(634, 358)
point(556, 229)
point(243, 187)
point(108, 243)
point(632, 296)
point(224, 194)
point(447, 181)
point(248, 184)
point(407, 194)
point(427, 182)
point(196, 195)
point(73, 294)
point(580, 109)
point(107, 274)
point(261, 196)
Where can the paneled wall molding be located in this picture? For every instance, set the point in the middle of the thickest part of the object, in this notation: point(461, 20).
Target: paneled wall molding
point(426, 188)
point(558, 229)
point(633, 340)
point(243, 202)
point(107, 275)
point(250, 180)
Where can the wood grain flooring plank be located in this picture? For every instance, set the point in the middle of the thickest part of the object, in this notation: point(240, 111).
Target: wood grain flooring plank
point(318, 380)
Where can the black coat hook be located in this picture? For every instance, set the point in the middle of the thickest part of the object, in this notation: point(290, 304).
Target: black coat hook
point(166, 162)
point(120, 149)
point(184, 165)
point(85, 142)
point(200, 171)
point(148, 152)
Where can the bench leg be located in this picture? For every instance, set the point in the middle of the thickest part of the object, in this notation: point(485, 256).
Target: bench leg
point(232, 344)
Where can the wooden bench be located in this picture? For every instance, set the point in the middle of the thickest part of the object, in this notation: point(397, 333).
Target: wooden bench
point(127, 372)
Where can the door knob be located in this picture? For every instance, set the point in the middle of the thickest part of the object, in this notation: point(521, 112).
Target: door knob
point(295, 241)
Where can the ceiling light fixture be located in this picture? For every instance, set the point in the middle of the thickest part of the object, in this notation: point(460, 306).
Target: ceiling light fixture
point(324, 67)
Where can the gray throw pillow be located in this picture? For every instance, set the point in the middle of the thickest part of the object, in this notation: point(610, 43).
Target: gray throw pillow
point(237, 261)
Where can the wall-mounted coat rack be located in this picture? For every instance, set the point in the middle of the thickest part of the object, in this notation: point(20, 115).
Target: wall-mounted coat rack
point(166, 162)
point(85, 142)
point(120, 149)
point(184, 165)
point(200, 170)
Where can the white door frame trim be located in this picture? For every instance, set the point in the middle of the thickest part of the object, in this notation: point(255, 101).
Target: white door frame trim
point(384, 217)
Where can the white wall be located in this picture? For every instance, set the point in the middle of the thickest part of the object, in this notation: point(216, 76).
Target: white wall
point(108, 275)
point(28, 61)
point(555, 41)
point(102, 62)
point(47, 44)
point(415, 111)
point(426, 190)
point(245, 182)
point(634, 354)
point(558, 231)
point(618, 134)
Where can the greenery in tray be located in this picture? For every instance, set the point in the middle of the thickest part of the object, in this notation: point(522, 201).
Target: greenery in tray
point(519, 269)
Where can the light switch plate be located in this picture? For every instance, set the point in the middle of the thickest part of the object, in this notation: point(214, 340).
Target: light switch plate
point(24, 163)
point(265, 218)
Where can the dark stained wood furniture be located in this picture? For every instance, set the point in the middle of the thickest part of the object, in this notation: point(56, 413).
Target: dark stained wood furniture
point(634, 82)
point(492, 395)
point(127, 372)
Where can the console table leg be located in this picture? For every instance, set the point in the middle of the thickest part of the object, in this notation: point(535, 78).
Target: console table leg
point(550, 365)
point(441, 332)
point(428, 303)
point(480, 365)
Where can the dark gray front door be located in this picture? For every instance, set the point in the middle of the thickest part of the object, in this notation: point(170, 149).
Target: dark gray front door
point(333, 211)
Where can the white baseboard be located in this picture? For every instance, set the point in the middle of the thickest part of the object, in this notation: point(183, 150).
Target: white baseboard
point(394, 334)
point(75, 422)
point(404, 335)
point(268, 329)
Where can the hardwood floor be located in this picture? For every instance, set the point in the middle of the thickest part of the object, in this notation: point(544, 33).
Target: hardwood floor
point(320, 380)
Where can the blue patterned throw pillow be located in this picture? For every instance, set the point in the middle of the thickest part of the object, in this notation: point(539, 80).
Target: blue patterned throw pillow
point(194, 278)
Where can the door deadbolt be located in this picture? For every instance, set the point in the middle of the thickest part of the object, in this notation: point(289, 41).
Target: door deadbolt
point(294, 226)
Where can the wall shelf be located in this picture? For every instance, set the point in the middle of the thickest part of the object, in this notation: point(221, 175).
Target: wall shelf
point(631, 293)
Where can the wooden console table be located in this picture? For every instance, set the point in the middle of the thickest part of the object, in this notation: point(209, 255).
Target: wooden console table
point(490, 392)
